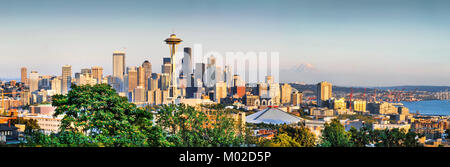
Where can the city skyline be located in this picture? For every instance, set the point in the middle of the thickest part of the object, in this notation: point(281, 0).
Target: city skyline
point(317, 42)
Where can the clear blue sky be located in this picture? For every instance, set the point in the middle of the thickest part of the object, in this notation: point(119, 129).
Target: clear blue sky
point(346, 42)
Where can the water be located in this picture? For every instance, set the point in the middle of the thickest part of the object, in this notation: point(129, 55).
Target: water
point(429, 107)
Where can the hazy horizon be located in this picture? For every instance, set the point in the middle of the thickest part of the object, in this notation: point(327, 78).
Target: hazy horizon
point(351, 42)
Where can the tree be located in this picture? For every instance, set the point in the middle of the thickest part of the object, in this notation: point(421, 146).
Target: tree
point(302, 135)
point(98, 116)
point(30, 124)
point(334, 135)
point(189, 127)
point(283, 140)
point(361, 137)
point(395, 138)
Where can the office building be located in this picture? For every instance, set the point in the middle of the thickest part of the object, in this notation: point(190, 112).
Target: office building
point(286, 93)
point(97, 73)
point(118, 71)
point(66, 78)
point(141, 76)
point(23, 75)
point(132, 78)
point(187, 65)
point(324, 92)
point(147, 72)
point(297, 98)
point(220, 91)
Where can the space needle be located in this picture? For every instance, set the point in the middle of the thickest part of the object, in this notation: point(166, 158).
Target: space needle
point(173, 41)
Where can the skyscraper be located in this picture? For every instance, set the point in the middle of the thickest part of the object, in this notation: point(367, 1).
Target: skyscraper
point(139, 94)
point(187, 65)
point(166, 66)
point(23, 75)
point(97, 73)
point(56, 85)
point(118, 70)
point(220, 91)
point(297, 98)
point(132, 78)
point(228, 76)
point(199, 73)
point(286, 91)
point(141, 76)
point(34, 81)
point(147, 72)
point(211, 76)
point(324, 92)
point(66, 79)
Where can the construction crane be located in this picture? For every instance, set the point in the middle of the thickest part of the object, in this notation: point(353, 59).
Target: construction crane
point(375, 95)
point(364, 94)
point(350, 99)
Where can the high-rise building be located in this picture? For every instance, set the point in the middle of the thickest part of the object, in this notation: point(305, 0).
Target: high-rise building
point(97, 73)
point(187, 65)
point(359, 105)
point(118, 64)
point(23, 75)
point(199, 72)
point(34, 81)
point(297, 98)
point(151, 97)
point(139, 94)
point(118, 70)
point(286, 91)
point(227, 74)
point(166, 67)
point(211, 76)
point(164, 81)
point(132, 78)
point(147, 72)
point(44, 82)
point(220, 91)
point(324, 92)
point(274, 93)
point(56, 84)
point(141, 76)
point(157, 97)
point(263, 90)
point(153, 84)
point(66, 78)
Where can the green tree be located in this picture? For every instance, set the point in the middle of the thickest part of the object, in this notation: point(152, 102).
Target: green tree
point(361, 137)
point(30, 124)
point(189, 127)
point(98, 116)
point(302, 135)
point(334, 135)
point(283, 140)
point(394, 138)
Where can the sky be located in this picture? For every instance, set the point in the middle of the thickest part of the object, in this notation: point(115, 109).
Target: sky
point(345, 42)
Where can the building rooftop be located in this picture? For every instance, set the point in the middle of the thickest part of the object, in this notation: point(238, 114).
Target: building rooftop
point(272, 116)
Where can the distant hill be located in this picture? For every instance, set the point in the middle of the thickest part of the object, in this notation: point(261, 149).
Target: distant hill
point(313, 88)
point(419, 88)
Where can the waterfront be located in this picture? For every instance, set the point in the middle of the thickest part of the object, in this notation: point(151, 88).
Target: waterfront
point(429, 107)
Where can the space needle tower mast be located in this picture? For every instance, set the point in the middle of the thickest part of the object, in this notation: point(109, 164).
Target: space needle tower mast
point(173, 41)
